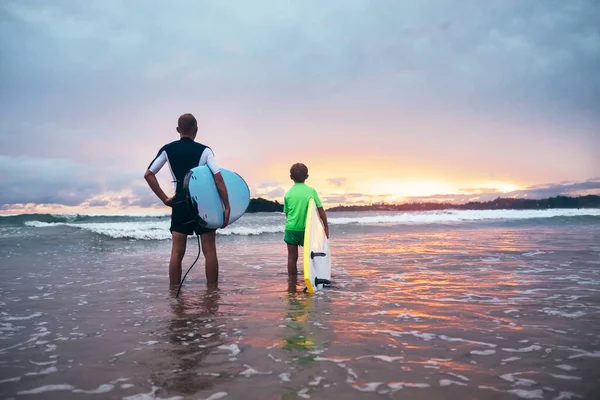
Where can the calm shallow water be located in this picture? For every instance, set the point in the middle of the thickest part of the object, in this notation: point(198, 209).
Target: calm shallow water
point(460, 311)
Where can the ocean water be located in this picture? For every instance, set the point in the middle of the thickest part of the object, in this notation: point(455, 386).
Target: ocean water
point(436, 305)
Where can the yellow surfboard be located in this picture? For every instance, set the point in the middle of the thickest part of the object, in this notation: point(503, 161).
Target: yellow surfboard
point(317, 259)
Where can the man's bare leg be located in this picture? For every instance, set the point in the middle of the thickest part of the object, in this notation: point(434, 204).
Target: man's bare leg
point(177, 253)
point(209, 249)
point(292, 259)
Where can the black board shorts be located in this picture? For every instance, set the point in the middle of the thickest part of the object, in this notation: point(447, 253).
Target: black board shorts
point(183, 221)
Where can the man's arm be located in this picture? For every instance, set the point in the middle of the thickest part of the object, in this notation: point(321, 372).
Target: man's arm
point(324, 219)
point(153, 183)
point(222, 189)
point(208, 158)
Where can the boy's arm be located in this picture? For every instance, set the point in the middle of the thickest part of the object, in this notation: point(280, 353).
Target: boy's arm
point(321, 212)
point(324, 219)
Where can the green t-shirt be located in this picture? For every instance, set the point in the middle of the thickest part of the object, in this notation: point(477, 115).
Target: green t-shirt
point(295, 204)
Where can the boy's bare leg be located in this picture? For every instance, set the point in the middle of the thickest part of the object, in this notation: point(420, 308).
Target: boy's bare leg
point(292, 259)
point(292, 284)
point(177, 253)
point(209, 248)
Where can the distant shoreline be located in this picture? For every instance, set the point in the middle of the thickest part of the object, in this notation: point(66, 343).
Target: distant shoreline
point(589, 201)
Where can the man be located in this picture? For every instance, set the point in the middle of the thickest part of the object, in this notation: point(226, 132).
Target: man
point(183, 155)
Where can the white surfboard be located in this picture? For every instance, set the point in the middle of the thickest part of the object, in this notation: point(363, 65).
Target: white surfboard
point(204, 198)
point(317, 259)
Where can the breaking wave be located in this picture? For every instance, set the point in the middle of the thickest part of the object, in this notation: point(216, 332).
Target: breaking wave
point(156, 226)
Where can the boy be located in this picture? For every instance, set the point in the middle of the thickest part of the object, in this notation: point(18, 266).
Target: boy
point(295, 205)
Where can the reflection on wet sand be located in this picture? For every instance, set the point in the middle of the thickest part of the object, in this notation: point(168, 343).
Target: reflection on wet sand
point(194, 332)
point(296, 334)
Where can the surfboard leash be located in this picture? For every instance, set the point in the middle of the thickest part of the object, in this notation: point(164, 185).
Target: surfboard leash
point(192, 266)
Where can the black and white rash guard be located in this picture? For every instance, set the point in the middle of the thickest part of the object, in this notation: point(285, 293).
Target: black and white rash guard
point(183, 155)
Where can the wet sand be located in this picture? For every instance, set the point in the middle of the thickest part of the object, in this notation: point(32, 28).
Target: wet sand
point(489, 312)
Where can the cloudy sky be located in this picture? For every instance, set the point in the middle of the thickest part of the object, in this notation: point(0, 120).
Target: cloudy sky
point(384, 101)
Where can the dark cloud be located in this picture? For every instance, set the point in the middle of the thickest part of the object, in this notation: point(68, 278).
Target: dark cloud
point(549, 190)
point(277, 192)
point(336, 181)
point(527, 52)
point(60, 181)
point(591, 186)
point(98, 203)
point(349, 198)
point(142, 196)
point(267, 184)
point(334, 199)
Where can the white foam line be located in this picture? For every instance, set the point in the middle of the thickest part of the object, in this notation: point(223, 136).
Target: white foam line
point(317, 380)
point(483, 352)
point(233, 348)
point(533, 347)
point(46, 371)
point(464, 378)
point(352, 374)
point(47, 388)
point(150, 396)
point(217, 396)
point(251, 371)
point(595, 354)
point(43, 363)
point(105, 388)
point(534, 253)
point(566, 367)
point(285, 377)
point(533, 291)
point(369, 387)
point(519, 381)
point(567, 377)
point(17, 379)
point(527, 394)
point(567, 396)
point(448, 382)
point(335, 360)
point(382, 358)
point(425, 336)
point(402, 385)
point(559, 313)
point(521, 393)
point(34, 315)
point(444, 337)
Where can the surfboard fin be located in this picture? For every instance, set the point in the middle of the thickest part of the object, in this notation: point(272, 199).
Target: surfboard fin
point(315, 254)
point(319, 281)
